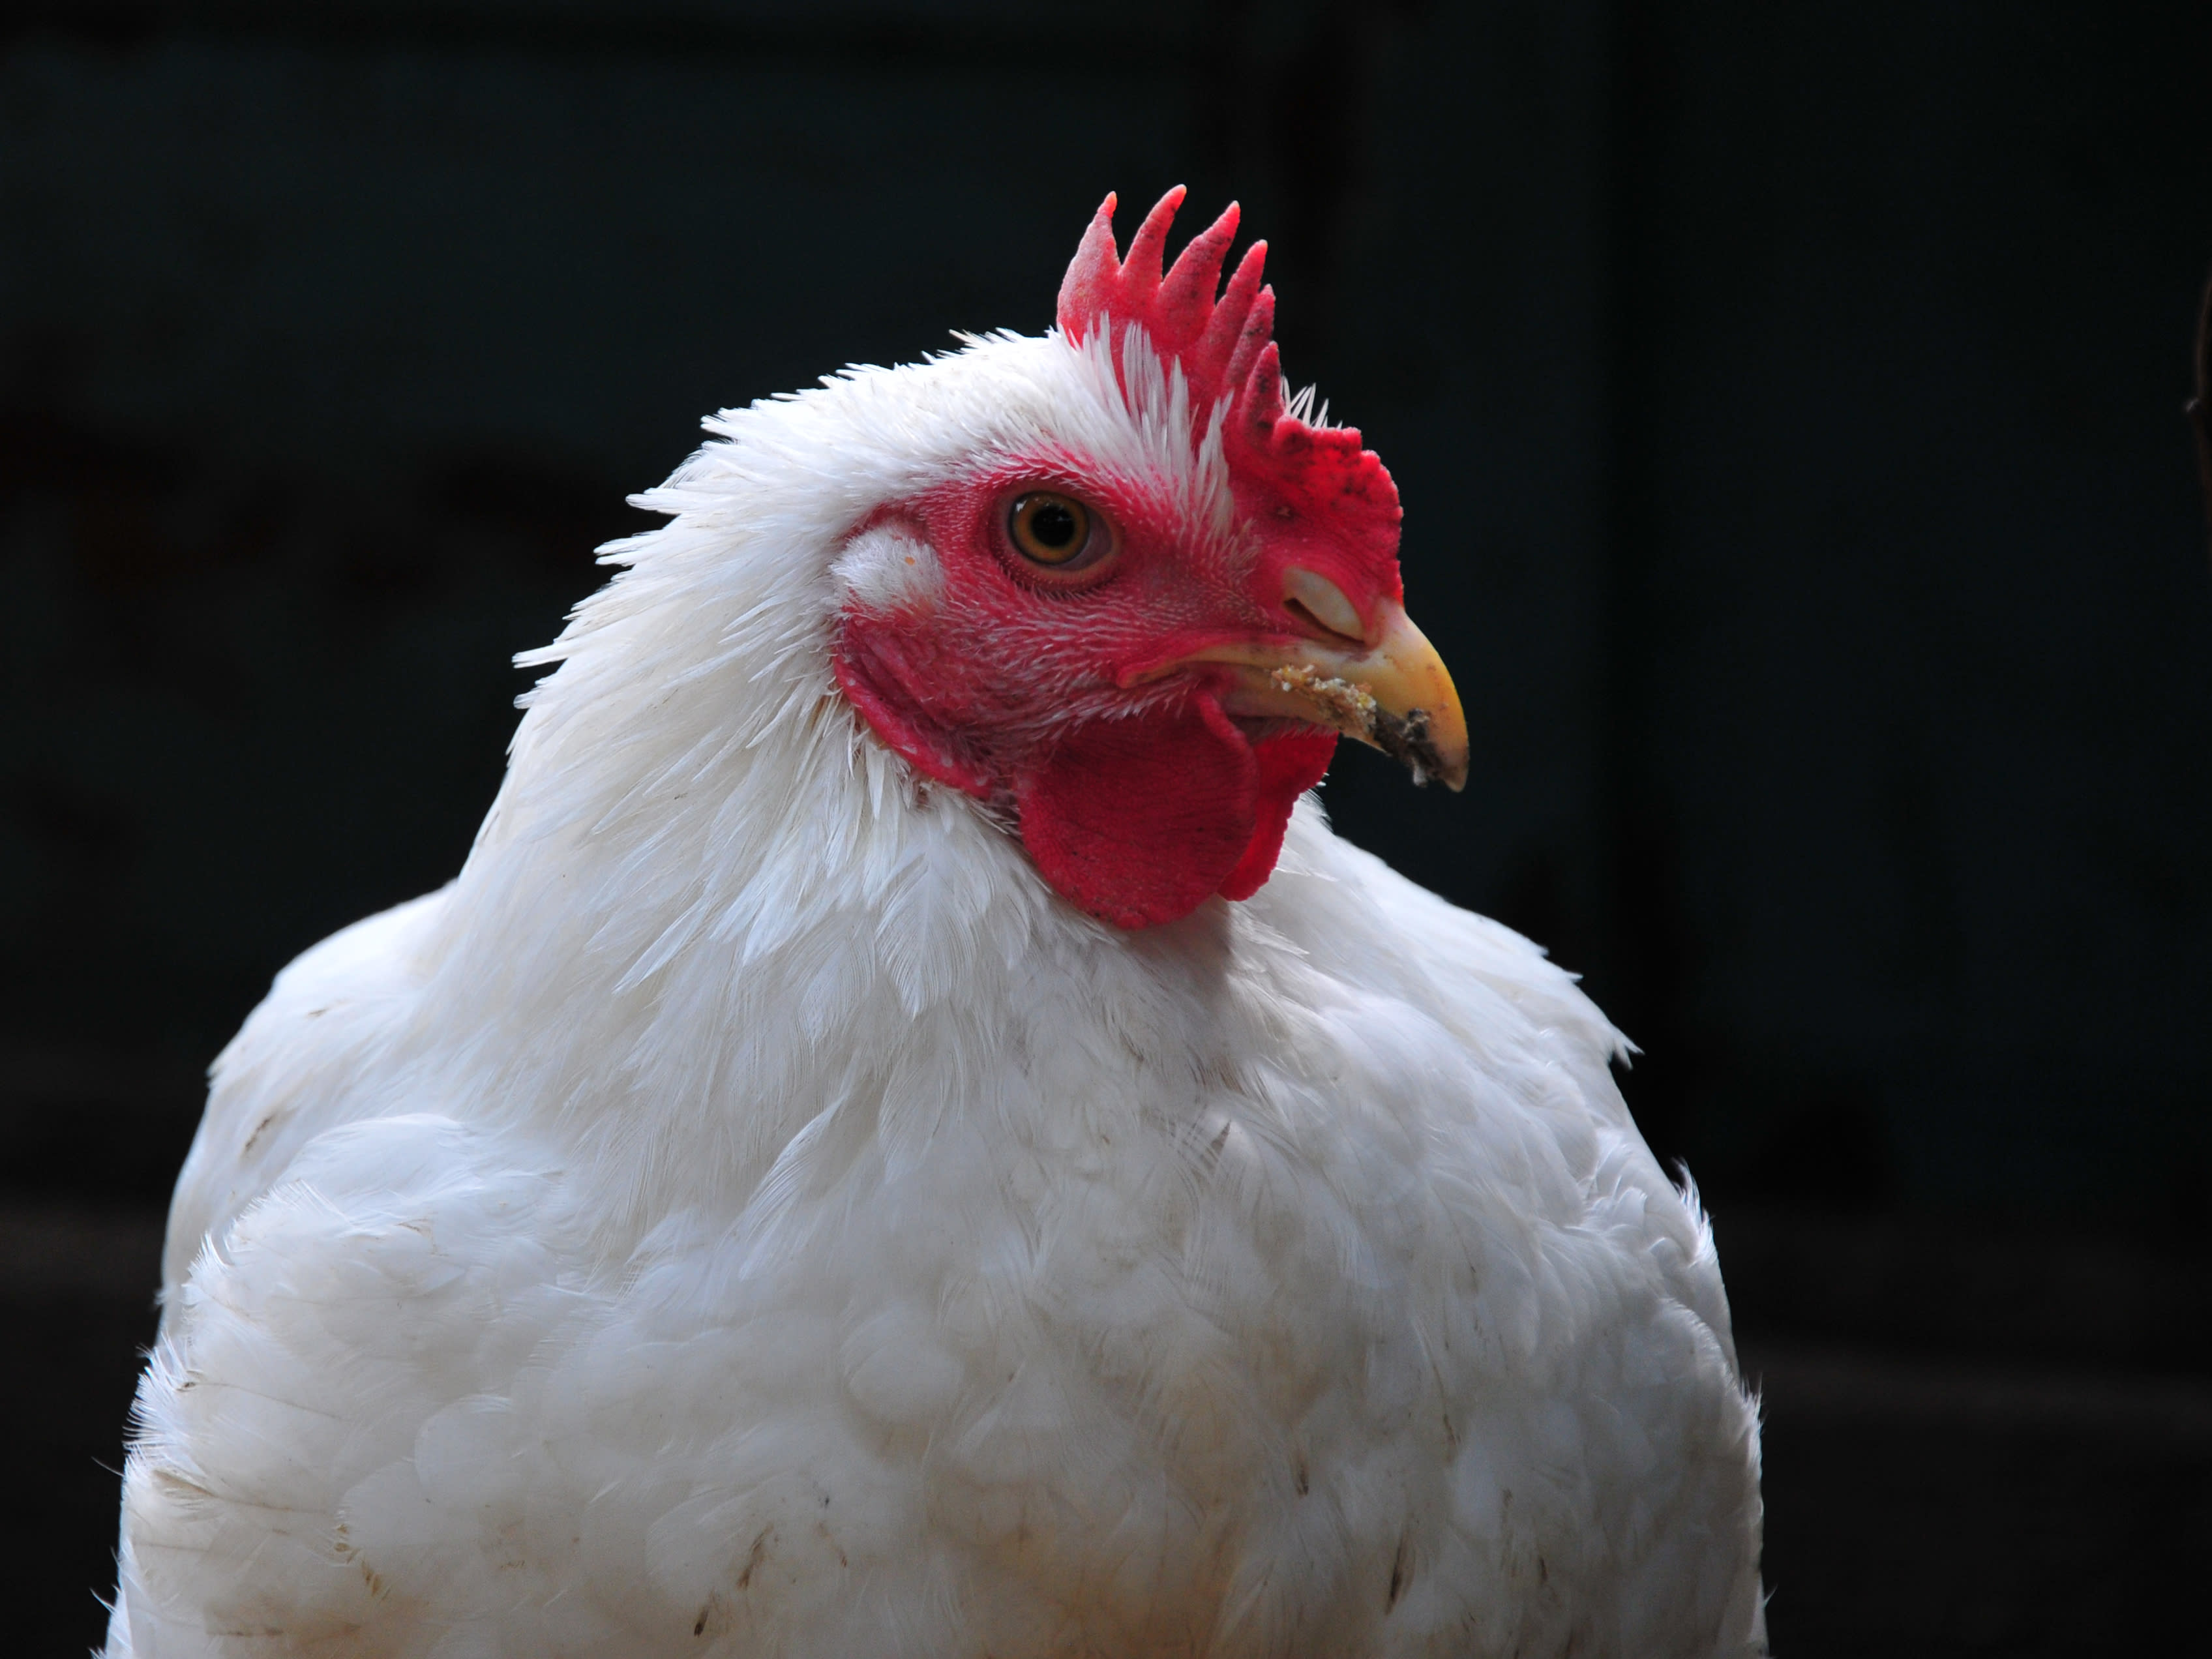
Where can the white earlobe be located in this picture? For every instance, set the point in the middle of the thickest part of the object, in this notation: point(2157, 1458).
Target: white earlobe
point(888, 568)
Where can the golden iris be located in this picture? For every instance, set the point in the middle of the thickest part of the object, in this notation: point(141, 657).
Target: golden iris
point(1049, 529)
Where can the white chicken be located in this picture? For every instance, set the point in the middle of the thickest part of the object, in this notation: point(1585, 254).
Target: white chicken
point(909, 1136)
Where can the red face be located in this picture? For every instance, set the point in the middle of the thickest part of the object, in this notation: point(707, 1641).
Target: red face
point(1148, 683)
point(1112, 674)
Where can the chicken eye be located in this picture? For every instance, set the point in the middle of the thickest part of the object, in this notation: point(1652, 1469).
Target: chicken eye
point(1058, 531)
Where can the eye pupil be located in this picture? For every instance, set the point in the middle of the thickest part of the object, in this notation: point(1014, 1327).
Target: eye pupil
point(1053, 525)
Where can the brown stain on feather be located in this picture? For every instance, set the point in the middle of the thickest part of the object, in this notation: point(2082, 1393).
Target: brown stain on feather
point(1398, 1574)
point(759, 1553)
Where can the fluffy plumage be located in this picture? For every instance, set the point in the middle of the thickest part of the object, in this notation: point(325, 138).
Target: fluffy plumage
point(751, 1211)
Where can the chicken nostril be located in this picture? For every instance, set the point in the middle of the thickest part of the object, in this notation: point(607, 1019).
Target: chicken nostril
point(1319, 602)
point(1298, 608)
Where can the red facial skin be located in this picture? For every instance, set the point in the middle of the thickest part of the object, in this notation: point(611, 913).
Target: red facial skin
point(1137, 798)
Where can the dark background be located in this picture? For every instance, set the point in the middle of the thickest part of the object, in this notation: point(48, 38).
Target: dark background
point(1787, 401)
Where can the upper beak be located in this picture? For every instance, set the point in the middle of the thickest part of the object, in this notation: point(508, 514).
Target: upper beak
point(1392, 691)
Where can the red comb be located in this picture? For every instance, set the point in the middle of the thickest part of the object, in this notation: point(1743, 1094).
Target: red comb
point(1225, 347)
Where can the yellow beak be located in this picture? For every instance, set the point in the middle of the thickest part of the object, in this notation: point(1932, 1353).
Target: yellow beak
point(1392, 692)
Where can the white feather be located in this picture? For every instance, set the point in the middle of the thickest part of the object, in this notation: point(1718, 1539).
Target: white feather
point(747, 1214)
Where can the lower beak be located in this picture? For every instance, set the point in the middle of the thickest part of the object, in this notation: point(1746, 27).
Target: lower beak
point(1394, 692)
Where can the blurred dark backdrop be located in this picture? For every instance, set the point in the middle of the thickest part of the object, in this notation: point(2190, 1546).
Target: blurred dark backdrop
point(1787, 401)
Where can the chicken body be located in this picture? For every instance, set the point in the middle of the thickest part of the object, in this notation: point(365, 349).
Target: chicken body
point(752, 1212)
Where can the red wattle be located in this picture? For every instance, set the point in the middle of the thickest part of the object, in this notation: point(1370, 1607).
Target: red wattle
point(1140, 821)
point(1289, 766)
